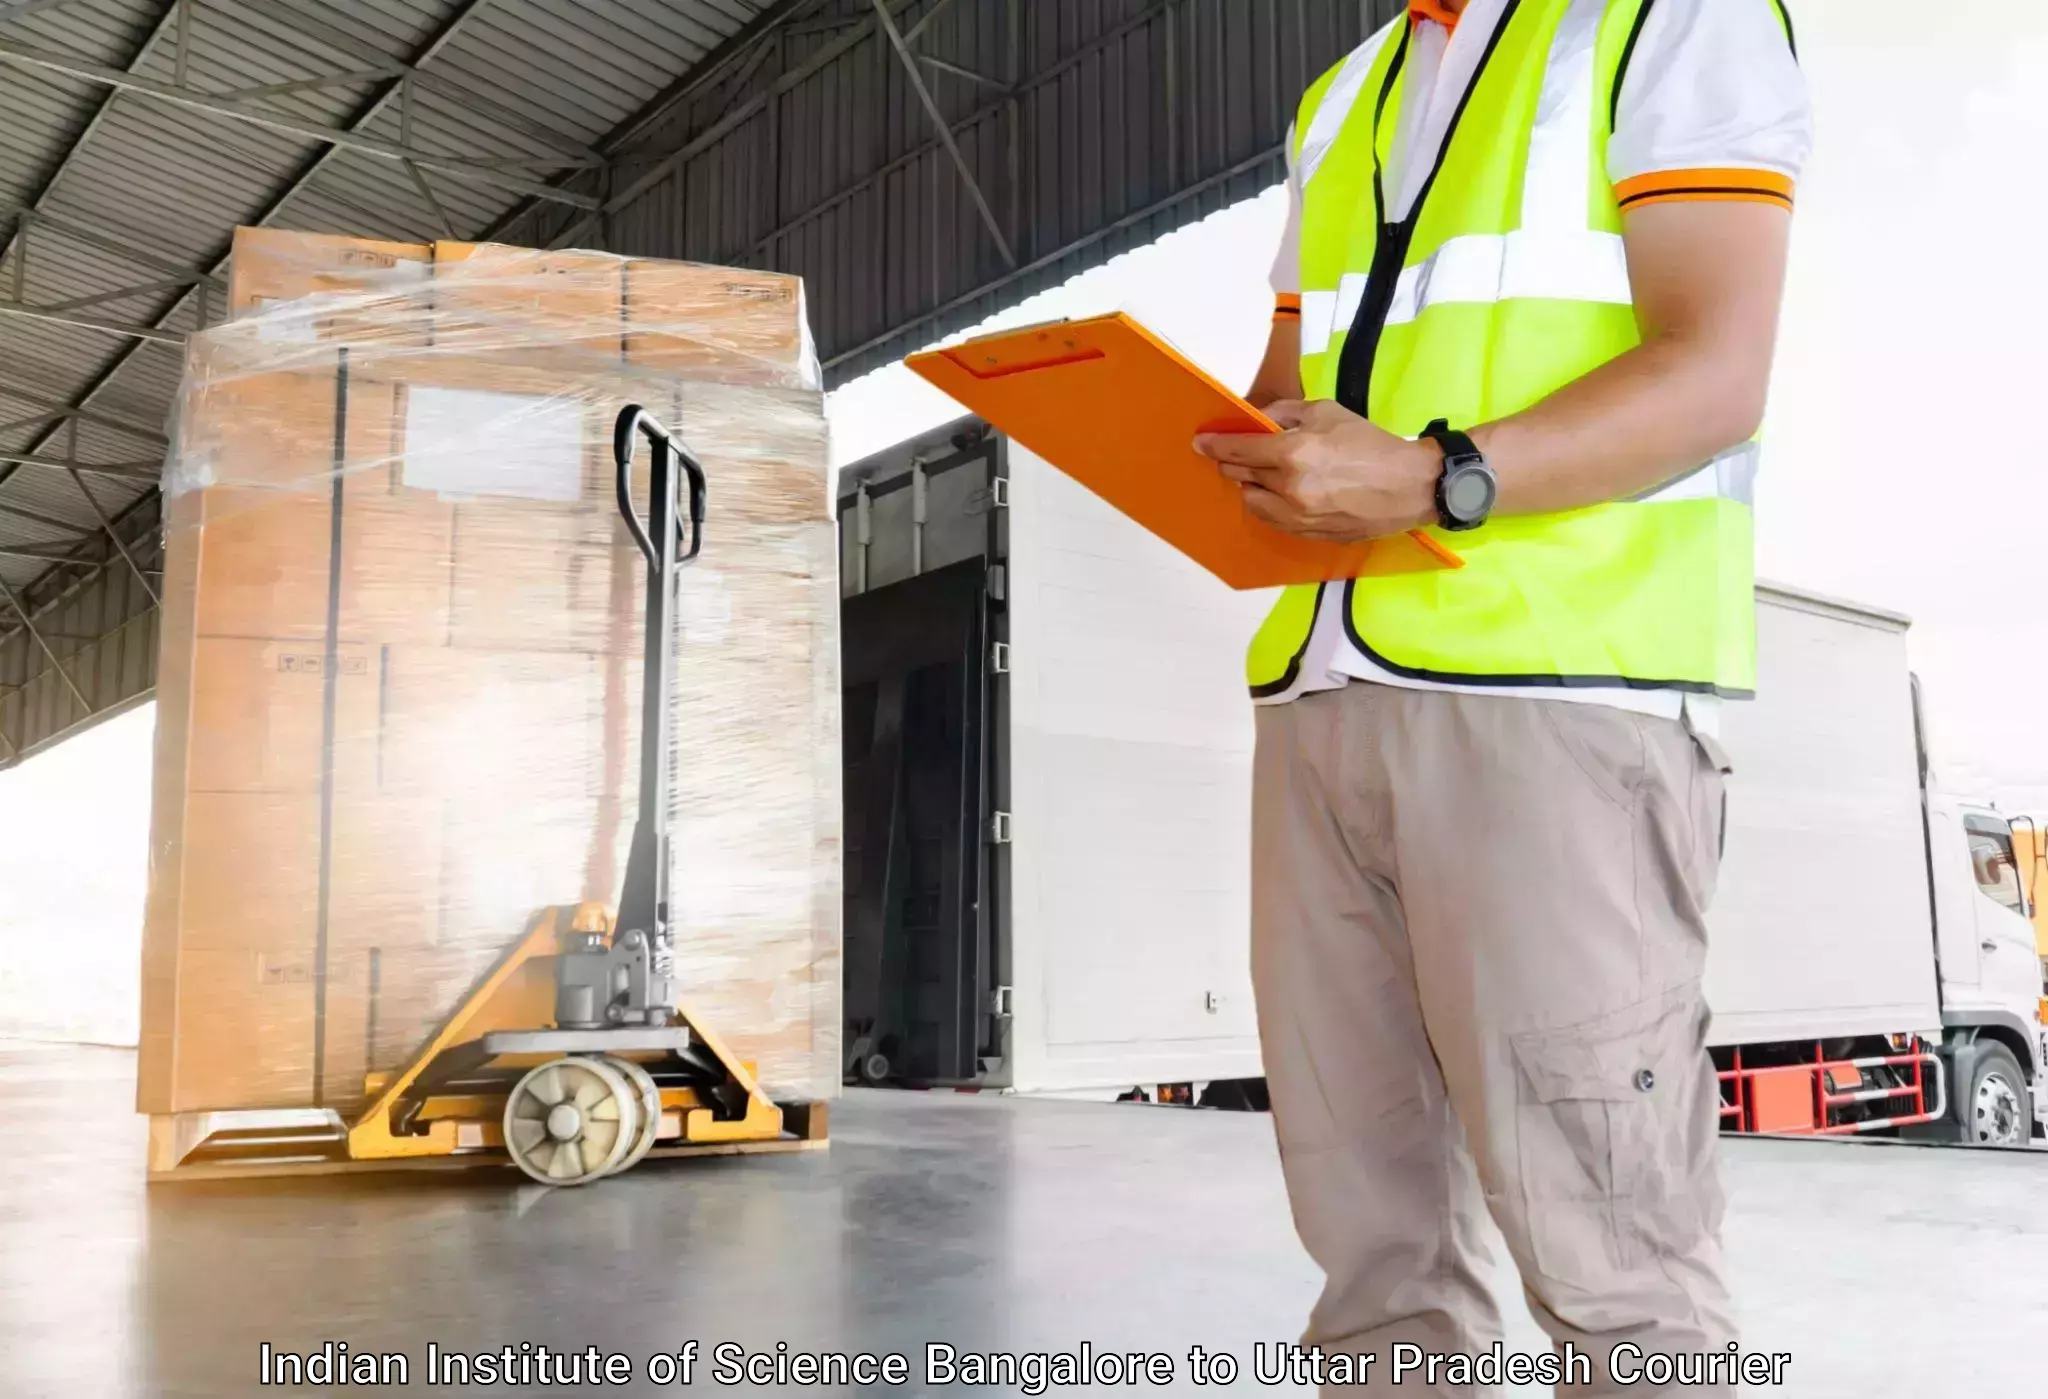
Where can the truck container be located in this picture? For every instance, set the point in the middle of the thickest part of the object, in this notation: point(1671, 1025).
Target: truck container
point(1048, 760)
point(1048, 753)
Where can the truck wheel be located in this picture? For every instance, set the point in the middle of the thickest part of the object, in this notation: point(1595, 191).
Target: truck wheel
point(1994, 1111)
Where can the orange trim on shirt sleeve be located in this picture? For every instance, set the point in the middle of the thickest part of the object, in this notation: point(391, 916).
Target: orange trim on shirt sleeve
point(1678, 186)
point(1287, 304)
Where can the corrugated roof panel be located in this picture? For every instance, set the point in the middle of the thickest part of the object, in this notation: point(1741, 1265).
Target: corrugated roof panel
point(144, 388)
point(105, 31)
point(266, 50)
point(183, 176)
point(54, 494)
point(47, 357)
point(40, 114)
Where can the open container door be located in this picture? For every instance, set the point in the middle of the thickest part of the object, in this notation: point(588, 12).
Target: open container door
point(920, 619)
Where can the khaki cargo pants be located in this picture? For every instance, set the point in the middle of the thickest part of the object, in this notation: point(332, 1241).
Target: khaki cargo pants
point(1477, 938)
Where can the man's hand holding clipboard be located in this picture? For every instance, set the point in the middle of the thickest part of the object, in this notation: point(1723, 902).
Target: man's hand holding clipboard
point(1119, 410)
point(1330, 475)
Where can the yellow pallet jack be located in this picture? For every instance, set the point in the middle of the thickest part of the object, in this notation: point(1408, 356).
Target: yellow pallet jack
point(570, 1055)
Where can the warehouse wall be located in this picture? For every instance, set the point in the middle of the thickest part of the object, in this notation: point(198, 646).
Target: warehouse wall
point(101, 630)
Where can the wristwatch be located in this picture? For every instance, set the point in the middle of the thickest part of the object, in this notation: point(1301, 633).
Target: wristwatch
point(1466, 491)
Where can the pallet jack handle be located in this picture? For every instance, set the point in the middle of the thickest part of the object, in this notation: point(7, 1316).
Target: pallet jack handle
point(635, 420)
point(666, 542)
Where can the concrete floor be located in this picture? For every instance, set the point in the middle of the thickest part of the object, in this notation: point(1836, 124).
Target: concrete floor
point(989, 1223)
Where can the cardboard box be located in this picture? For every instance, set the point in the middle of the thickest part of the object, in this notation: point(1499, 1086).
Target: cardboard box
point(271, 265)
point(565, 307)
point(461, 724)
point(732, 324)
point(258, 717)
point(243, 1027)
point(249, 876)
point(311, 288)
point(532, 577)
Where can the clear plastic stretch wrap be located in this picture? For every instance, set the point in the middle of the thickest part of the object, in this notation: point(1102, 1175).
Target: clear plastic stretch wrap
point(399, 693)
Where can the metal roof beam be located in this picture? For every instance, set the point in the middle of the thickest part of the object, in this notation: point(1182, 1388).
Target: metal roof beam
point(986, 112)
point(102, 298)
point(933, 61)
point(146, 471)
point(46, 554)
point(734, 118)
point(924, 20)
point(166, 12)
point(58, 316)
point(22, 512)
point(306, 22)
point(57, 408)
point(41, 221)
point(139, 509)
point(11, 13)
point(14, 601)
point(931, 109)
point(122, 80)
point(779, 17)
point(114, 535)
point(313, 84)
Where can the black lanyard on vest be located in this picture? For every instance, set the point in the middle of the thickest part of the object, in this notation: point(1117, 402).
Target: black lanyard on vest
point(1390, 252)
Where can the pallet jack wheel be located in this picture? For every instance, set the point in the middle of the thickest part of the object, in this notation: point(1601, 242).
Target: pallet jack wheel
point(571, 1121)
point(649, 1095)
point(874, 1069)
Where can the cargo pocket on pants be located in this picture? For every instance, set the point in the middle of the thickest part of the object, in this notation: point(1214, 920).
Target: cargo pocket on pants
point(1601, 1118)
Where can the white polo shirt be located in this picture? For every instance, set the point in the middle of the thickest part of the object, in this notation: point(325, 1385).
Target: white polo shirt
point(1712, 106)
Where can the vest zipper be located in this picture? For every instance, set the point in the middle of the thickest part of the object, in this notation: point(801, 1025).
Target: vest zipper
point(1362, 345)
point(1390, 255)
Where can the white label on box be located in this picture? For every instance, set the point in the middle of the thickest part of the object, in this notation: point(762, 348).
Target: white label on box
point(285, 322)
point(465, 443)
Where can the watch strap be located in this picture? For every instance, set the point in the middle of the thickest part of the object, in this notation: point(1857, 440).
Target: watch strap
point(1456, 445)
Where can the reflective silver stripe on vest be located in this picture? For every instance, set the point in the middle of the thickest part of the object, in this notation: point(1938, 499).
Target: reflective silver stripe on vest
point(1529, 263)
point(1323, 311)
point(1337, 102)
point(1730, 476)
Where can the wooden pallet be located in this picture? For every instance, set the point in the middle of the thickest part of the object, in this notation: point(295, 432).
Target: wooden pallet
point(174, 1136)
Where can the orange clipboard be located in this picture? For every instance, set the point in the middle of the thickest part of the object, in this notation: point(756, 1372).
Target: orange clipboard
point(1116, 408)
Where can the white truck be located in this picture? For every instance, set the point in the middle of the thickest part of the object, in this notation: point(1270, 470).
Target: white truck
point(1048, 759)
point(1872, 964)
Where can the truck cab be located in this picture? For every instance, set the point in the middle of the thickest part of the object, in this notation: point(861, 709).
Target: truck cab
point(1990, 969)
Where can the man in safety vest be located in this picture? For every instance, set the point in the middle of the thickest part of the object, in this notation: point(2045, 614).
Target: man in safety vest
point(1527, 301)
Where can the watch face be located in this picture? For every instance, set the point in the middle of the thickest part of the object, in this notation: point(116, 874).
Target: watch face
point(1468, 494)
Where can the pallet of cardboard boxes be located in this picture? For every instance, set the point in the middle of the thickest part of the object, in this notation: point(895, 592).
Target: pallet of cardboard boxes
point(399, 680)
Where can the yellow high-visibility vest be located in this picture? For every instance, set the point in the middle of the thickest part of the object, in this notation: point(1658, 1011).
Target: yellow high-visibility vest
point(1506, 282)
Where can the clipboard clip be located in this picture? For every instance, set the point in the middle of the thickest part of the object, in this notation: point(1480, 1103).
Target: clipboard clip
point(991, 359)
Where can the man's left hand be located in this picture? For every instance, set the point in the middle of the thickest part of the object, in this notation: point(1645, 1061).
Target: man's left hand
point(1330, 475)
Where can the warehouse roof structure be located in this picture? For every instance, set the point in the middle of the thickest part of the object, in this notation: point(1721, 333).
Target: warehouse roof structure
point(921, 163)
